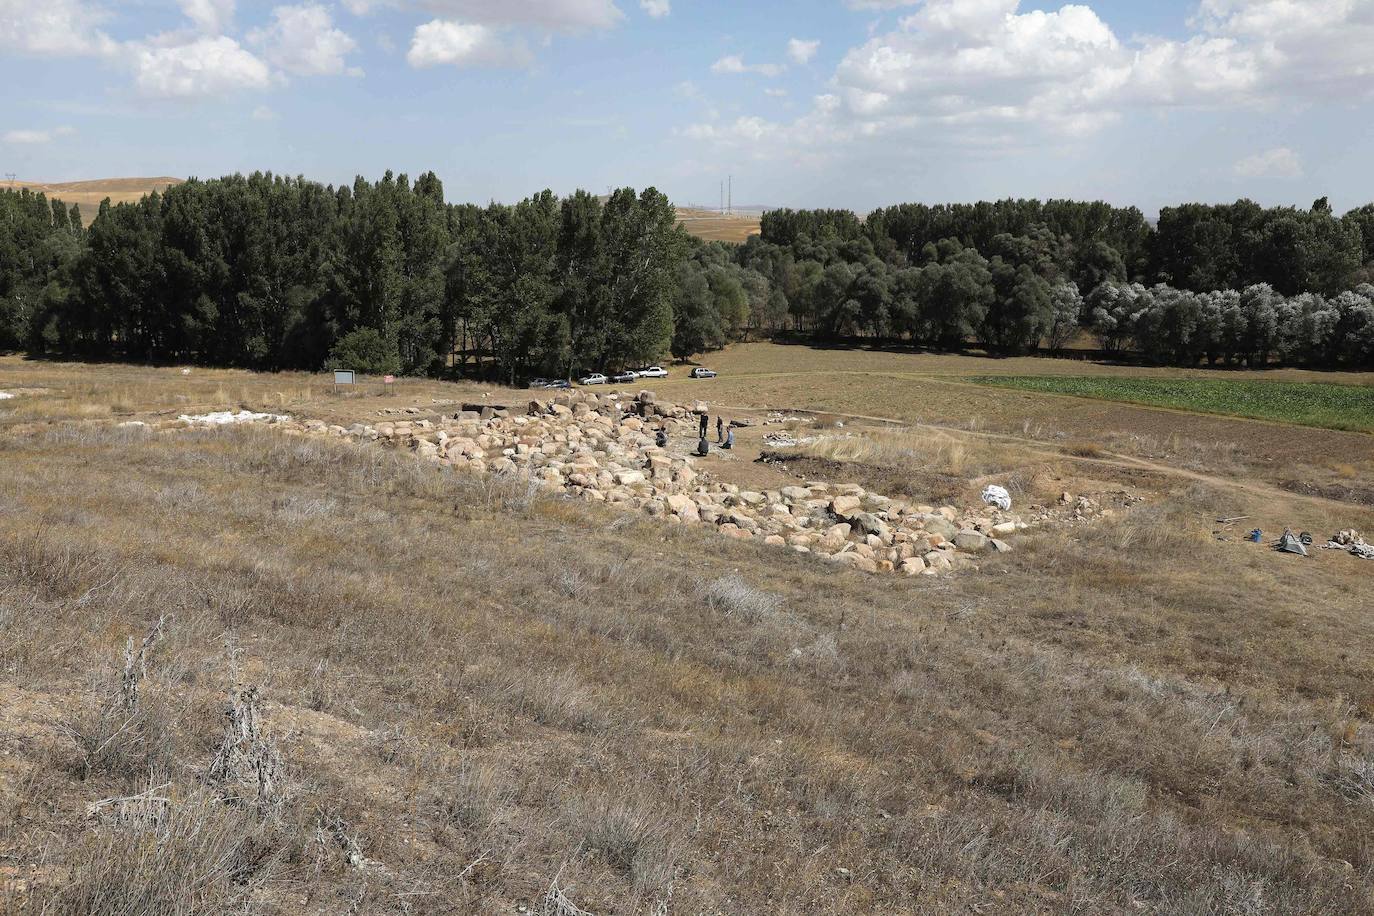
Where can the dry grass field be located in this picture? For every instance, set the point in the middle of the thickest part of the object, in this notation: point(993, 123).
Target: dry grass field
point(243, 672)
point(89, 194)
point(714, 226)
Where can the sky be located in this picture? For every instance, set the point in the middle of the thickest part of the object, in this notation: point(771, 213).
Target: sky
point(806, 103)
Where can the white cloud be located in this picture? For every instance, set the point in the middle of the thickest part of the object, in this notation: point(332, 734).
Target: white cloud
point(775, 93)
point(53, 27)
point(986, 72)
point(212, 17)
point(264, 113)
point(303, 40)
point(203, 67)
point(978, 59)
point(801, 51)
point(562, 15)
point(35, 137)
point(656, 8)
point(1275, 163)
point(735, 64)
point(462, 44)
point(746, 129)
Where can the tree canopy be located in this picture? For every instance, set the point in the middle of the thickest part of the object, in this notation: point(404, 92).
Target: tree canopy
point(270, 272)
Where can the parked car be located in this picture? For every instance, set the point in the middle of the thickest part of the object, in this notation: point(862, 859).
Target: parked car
point(621, 378)
point(559, 383)
point(596, 378)
point(703, 372)
point(539, 383)
point(653, 372)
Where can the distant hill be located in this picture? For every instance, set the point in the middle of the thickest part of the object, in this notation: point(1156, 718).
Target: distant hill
point(704, 224)
point(714, 226)
point(89, 194)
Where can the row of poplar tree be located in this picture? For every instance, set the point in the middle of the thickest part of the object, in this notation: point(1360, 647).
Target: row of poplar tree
point(276, 273)
point(269, 272)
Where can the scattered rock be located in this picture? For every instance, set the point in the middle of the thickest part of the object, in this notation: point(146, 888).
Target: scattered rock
point(587, 446)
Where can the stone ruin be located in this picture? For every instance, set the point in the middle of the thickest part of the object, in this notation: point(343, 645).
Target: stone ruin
point(602, 448)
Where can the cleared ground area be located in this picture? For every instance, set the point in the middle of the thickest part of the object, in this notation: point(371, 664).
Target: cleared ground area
point(244, 671)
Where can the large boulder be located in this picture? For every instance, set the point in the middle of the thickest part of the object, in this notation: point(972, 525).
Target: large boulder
point(845, 506)
point(855, 561)
point(972, 541)
point(870, 524)
point(938, 524)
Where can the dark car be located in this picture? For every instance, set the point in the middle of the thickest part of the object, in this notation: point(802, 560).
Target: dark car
point(621, 378)
point(703, 372)
point(559, 383)
point(538, 383)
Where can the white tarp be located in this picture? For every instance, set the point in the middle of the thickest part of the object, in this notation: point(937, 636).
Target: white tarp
point(228, 417)
point(5, 395)
point(994, 495)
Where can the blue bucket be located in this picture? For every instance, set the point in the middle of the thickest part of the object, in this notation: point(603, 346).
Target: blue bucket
point(1256, 535)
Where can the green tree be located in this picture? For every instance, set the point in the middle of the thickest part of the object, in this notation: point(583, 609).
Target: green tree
point(366, 350)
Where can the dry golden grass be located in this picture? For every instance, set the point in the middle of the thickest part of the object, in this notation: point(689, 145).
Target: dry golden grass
point(483, 699)
point(917, 388)
point(714, 226)
point(90, 193)
point(942, 466)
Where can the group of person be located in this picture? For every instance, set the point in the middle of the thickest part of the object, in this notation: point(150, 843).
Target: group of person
point(725, 435)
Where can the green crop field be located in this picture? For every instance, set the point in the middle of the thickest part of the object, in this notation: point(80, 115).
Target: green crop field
point(1348, 407)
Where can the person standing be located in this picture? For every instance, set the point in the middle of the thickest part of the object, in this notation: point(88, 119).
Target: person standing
point(720, 429)
point(705, 423)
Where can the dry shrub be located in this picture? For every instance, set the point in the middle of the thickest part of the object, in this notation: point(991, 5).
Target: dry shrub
point(734, 597)
point(124, 746)
point(630, 839)
point(51, 571)
point(555, 901)
point(1082, 448)
point(494, 494)
point(247, 768)
point(200, 858)
point(822, 657)
point(1155, 532)
point(477, 798)
point(128, 734)
point(1353, 776)
point(557, 699)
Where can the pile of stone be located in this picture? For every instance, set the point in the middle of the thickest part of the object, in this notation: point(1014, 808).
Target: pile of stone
point(601, 448)
point(1352, 542)
point(1072, 509)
